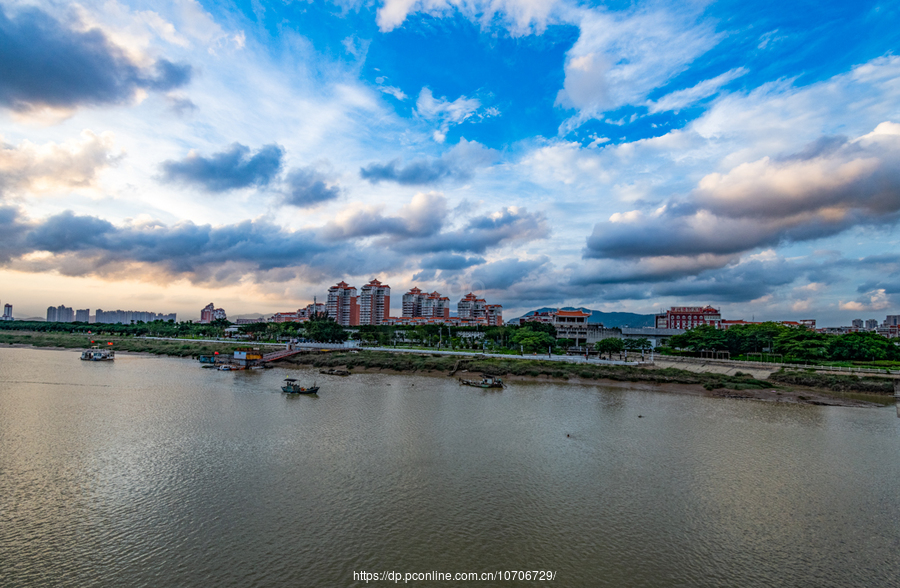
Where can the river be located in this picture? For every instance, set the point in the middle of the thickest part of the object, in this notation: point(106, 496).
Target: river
point(154, 472)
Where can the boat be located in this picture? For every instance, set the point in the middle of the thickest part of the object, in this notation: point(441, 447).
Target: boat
point(95, 353)
point(485, 382)
point(292, 387)
point(334, 372)
point(230, 368)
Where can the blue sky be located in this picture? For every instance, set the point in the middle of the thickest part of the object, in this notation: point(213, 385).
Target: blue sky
point(621, 156)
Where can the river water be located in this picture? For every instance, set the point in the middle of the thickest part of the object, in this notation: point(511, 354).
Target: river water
point(154, 472)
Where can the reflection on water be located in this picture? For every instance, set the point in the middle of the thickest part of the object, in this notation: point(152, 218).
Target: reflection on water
point(154, 472)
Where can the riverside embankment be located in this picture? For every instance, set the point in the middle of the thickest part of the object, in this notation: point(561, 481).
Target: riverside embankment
point(732, 383)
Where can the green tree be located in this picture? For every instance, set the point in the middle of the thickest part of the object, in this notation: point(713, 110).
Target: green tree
point(862, 347)
point(803, 344)
point(322, 328)
point(532, 341)
point(609, 346)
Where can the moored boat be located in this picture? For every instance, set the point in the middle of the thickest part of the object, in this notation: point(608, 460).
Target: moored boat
point(334, 372)
point(292, 387)
point(95, 353)
point(485, 382)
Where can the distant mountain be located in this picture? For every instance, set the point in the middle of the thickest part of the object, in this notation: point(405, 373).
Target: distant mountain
point(609, 319)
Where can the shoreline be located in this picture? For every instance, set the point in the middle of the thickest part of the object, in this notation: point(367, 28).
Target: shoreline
point(669, 380)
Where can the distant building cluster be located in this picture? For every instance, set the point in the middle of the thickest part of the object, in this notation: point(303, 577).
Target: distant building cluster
point(210, 313)
point(60, 314)
point(890, 328)
point(370, 306)
point(64, 314)
point(423, 308)
point(126, 317)
point(302, 314)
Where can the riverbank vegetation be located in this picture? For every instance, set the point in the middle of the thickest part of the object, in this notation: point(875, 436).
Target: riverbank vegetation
point(776, 342)
point(181, 348)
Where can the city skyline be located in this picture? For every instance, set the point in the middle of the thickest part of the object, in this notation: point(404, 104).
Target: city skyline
point(555, 154)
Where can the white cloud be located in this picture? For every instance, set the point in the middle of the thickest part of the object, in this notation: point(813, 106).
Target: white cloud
point(521, 17)
point(445, 113)
point(684, 98)
point(876, 300)
point(52, 166)
point(620, 58)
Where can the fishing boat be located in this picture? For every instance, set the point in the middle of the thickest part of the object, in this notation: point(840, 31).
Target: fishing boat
point(292, 387)
point(95, 353)
point(485, 382)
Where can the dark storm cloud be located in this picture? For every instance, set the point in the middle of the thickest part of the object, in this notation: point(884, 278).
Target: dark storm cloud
point(229, 170)
point(43, 62)
point(307, 187)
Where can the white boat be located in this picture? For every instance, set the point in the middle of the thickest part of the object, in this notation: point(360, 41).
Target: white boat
point(97, 354)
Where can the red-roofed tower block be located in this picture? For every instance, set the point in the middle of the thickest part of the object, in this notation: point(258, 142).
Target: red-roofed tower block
point(374, 303)
point(343, 304)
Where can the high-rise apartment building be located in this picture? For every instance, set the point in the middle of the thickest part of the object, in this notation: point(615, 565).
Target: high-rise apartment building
point(343, 304)
point(494, 315)
point(60, 314)
point(857, 323)
point(471, 307)
point(871, 324)
point(892, 320)
point(209, 313)
point(83, 315)
point(418, 304)
point(412, 303)
point(374, 303)
point(7, 312)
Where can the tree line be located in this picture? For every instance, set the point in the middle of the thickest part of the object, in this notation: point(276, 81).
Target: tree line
point(799, 344)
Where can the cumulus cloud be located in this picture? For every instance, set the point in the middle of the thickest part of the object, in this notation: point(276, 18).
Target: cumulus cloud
point(874, 300)
point(422, 217)
point(88, 245)
point(423, 227)
point(46, 63)
point(457, 164)
point(73, 164)
point(308, 187)
point(228, 170)
point(480, 233)
point(500, 275)
point(817, 193)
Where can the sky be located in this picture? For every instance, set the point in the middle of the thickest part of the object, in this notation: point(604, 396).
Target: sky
point(622, 156)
